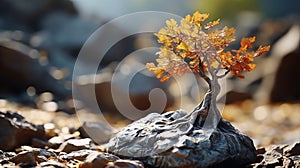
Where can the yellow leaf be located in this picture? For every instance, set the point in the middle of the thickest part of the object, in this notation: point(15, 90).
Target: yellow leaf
point(211, 24)
point(252, 66)
point(188, 18)
point(198, 17)
point(215, 64)
point(183, 46)
point(171, 23)
point(150, 65)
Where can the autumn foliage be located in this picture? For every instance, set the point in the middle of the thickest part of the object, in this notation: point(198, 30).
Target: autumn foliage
point(196, 46)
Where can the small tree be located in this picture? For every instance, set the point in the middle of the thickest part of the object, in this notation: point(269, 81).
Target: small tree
point(193, 46)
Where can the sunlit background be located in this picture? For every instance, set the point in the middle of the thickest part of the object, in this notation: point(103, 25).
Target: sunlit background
point(40, 41)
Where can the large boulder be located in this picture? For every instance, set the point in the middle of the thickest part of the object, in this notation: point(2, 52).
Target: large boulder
point(178, 139)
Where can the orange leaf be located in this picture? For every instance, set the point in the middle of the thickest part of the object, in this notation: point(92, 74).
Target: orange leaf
point(165, 78)
point(261, 50)
point(246, 42)
point(211, 24)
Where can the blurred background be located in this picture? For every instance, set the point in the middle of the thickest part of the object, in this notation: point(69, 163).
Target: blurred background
point(40, 41)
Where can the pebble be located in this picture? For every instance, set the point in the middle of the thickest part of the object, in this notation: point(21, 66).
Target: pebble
point(95, 160)
point(76, 144)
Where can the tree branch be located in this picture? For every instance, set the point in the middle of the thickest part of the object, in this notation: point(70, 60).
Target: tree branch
point(221, 76)
point(202, 74)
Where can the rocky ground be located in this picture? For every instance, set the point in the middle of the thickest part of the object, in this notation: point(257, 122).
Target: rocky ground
point(56, 140)
point(38, 125)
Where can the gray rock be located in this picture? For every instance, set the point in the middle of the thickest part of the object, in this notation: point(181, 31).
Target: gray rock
point(293, 150)
point(278, 156)
point(98, 159)
point(24, 158)
point(56, 141)
point(76, 144)
point(78, 155)
point(98, 131)
point(178, 139)
point(32, 156)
